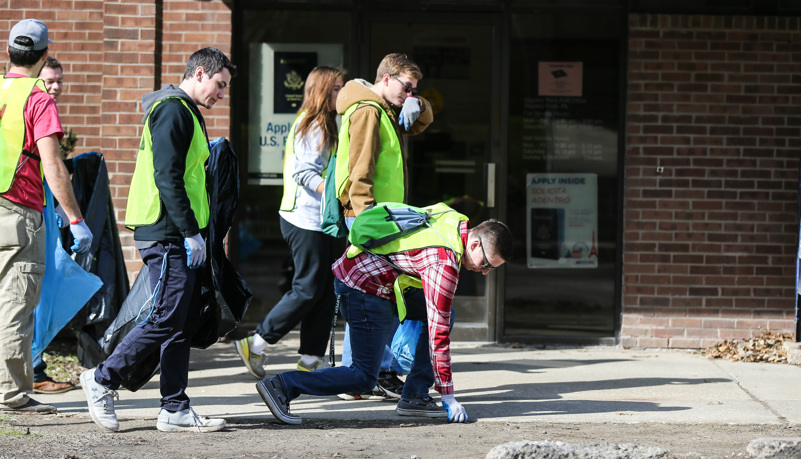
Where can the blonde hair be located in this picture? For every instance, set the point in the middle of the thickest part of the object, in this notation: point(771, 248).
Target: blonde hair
point(396, 64)
point(317, 104)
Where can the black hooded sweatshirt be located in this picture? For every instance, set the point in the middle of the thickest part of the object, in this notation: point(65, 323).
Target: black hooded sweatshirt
point(171, 129)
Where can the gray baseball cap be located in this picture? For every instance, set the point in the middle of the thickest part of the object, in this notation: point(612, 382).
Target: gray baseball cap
point(33, 29)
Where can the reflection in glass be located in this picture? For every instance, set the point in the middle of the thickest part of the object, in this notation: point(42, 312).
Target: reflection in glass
point(562, 128)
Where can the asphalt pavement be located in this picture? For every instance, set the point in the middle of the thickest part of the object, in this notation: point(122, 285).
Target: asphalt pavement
point(496, 383)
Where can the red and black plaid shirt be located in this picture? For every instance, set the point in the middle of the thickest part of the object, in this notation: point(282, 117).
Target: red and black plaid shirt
point(438, 269)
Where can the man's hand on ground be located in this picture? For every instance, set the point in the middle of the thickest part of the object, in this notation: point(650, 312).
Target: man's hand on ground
point(456, 412)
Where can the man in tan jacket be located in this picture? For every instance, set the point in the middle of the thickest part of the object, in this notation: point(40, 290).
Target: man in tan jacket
point(395, 94)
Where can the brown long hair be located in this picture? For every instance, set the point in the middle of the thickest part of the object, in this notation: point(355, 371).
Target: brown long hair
point(317, 104)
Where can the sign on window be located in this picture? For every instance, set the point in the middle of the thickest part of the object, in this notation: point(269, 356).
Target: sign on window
point(278, 74)
point(562, 220)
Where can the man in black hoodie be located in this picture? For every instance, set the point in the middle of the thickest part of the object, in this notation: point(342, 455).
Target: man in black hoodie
point(168, 209)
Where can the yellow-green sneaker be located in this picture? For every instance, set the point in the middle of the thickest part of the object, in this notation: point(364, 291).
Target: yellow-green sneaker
point(253, 362)
point(318, 364)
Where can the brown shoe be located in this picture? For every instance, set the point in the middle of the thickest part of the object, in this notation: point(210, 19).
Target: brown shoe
point(49, 386)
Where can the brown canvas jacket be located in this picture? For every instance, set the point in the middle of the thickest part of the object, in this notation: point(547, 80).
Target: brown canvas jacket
point(365, 142)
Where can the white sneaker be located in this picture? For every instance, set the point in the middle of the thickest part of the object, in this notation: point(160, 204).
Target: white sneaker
point(101, 401)
point(187, 421)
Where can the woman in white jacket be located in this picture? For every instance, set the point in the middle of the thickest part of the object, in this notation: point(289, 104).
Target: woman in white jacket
point(311, 300)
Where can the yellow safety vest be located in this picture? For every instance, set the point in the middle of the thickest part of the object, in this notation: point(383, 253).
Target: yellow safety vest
point(444, 232)
point(14, 94)
point(290, 185)
point(388, 180)
point(144, 201)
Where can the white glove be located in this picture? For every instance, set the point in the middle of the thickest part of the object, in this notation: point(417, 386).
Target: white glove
point(195, 251)
point(409, 113)
point(456, 412)
point(81, 236)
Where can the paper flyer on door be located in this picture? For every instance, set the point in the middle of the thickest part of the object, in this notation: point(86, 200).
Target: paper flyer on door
point(278, 74)
point(562, 220)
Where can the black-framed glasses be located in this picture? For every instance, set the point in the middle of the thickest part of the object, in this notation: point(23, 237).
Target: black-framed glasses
point(486, 264)
point(406, 86)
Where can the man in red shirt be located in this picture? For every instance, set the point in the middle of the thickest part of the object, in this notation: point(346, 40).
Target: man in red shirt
point(30, 130)
point(364, 285)
point(52, 74)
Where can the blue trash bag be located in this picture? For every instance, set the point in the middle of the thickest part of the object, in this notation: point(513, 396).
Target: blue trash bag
point(404, 343)
point(66, 287)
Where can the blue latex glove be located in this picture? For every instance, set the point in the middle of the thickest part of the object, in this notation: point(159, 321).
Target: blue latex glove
point(82, 237)
point(195, 251)
point(409, 113)
point(61, 217)
point(456, 412)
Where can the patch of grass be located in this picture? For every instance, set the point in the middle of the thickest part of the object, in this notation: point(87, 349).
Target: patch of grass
point(5, 429)
point(12, 431)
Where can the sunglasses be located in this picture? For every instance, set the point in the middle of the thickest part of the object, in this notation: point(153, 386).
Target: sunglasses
point(406, 86)
point(486, 264)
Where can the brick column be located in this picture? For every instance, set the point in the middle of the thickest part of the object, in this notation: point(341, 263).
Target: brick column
point(129, 50)
point(711, 176)
point(146, 45)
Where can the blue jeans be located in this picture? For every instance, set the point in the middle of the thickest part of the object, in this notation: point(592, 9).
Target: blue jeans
point(388, 362)
point(421, 375)
point(167, 331)
point(310, 302)
point(370, 319)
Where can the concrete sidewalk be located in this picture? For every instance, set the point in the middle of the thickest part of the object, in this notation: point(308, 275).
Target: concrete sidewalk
point(501, 384)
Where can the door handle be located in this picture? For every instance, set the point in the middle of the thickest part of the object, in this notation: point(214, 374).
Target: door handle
point(489, 173)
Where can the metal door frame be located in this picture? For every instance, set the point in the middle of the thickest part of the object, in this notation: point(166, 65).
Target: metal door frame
point(498, 118)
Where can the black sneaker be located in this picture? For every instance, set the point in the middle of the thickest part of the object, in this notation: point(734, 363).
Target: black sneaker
point(390, 384)
point(274, 395)
point(425, 407)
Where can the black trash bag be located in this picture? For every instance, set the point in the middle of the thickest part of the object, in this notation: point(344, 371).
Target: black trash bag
point(221, 295)
point(138, 297)
point(224, 295)
point(90, 184)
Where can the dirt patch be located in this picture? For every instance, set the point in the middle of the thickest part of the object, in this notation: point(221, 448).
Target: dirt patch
point(73, 437)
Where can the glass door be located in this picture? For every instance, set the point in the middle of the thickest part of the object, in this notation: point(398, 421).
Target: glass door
point(563, 182)
point(273, 53)
point(449, 161)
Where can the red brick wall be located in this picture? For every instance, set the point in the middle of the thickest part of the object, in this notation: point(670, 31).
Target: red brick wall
point(76, 29)
point(129, 51)
point(188, 26)
point(710, 242)
point(110, 50)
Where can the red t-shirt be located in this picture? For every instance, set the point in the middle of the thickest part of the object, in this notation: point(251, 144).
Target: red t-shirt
point(41, 120)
